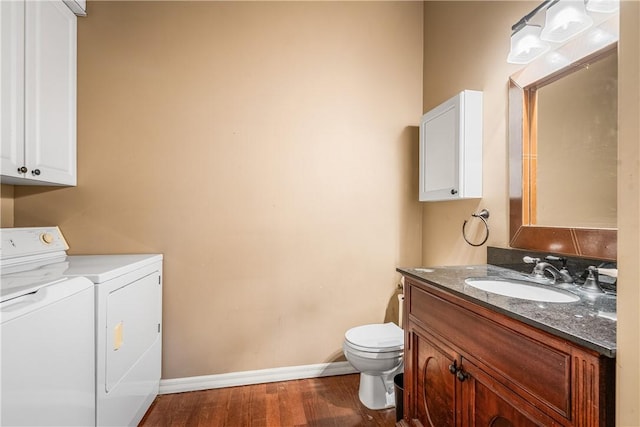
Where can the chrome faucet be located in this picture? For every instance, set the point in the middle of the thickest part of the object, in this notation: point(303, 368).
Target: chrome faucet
point(542, 267)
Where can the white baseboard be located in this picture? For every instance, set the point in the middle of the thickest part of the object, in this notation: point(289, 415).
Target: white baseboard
point(204, 382)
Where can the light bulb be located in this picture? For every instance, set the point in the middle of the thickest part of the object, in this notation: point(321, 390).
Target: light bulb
point(565, 19)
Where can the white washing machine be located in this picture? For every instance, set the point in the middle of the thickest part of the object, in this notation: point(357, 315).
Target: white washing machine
point(126, 342)
point(47, 372)
point(128, 292)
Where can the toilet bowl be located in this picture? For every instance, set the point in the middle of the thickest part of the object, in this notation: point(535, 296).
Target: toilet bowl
point(376, 351)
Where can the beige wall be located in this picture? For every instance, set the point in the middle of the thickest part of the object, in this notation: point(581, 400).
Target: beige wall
point(628, 360)
point(6, 205)
point(266, 149)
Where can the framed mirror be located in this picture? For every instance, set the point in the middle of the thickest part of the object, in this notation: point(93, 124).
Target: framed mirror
point(563, 157)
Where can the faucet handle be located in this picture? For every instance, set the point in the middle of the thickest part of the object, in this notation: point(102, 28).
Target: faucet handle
point(562, 259)
point(592, 283)
point(567, 277)
point(611, 272)
point(530, 260)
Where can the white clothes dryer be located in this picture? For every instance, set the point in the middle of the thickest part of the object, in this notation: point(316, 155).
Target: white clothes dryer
point(128, 298)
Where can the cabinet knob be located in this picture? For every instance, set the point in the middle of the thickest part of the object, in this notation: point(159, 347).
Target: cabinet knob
point(23, 169)
point(453, 368)
point(462, 376)
point(35, 172)
point(454, 191)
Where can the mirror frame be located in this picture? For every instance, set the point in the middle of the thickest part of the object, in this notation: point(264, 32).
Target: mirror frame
point(597, 243)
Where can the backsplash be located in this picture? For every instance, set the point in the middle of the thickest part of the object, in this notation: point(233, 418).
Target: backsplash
point(512, 258)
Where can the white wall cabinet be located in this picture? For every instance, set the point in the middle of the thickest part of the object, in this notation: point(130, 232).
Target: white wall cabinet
point(451, 149)
point(38, 92)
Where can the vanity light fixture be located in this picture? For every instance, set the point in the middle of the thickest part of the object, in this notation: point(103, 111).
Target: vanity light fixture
point(603, 6)
point(565, 19)
point(526, 45)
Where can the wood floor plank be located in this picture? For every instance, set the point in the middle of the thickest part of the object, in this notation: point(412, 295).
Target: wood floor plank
point(315, 402)
point(272, 402)
point(237, 400)
point(291, 406)
point(213, 407)
point(258, 405)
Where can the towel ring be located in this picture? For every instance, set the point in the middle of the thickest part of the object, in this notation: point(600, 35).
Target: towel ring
point(483, 215)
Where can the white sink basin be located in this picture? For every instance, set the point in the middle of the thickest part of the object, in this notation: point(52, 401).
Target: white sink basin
point(522, 290)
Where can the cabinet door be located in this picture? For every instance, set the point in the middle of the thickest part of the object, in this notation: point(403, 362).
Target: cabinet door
point(439, 136)
point(488, 403)
point(50, 92)
point(436, 388)
point(11, 87)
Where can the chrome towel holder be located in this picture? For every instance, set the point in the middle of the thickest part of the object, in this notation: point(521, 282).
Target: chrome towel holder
point(483, 215)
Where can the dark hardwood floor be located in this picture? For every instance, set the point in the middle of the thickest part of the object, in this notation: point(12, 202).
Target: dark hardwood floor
point(328, 401)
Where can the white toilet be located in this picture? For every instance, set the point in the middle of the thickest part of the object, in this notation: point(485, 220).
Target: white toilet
point(376, 352)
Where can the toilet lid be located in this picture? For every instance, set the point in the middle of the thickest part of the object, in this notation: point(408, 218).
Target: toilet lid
point(386, 336)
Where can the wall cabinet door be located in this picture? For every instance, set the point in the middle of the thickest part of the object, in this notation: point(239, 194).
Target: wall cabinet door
point(42, 147)
point(451, 149)
point(12, 87)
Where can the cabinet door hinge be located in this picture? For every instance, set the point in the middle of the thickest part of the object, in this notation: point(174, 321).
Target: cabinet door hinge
point(158, 327)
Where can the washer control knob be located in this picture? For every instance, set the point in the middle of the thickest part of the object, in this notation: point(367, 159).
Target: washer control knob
point(47, 238)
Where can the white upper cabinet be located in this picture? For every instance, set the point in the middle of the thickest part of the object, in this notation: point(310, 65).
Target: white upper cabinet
point(451, 149)
point(38, 84)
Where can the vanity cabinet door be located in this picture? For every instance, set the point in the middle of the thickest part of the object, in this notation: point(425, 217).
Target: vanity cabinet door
point(433, 374)
point(488, 403)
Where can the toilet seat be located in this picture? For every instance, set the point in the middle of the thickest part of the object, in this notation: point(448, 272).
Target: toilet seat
point(376, 338)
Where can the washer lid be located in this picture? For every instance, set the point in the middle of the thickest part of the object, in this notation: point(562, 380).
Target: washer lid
point(15, 287)
point(376, 336)
point(23, 279)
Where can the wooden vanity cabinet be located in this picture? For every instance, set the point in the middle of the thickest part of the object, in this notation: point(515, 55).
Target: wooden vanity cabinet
point(466, 365)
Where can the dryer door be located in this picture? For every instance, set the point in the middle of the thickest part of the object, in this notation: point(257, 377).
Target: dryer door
point(133, 323)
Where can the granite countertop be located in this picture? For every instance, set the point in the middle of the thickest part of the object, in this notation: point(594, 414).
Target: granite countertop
point(589, 322)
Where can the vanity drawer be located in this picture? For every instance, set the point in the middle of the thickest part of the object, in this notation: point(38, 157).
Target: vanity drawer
point(538, 372)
